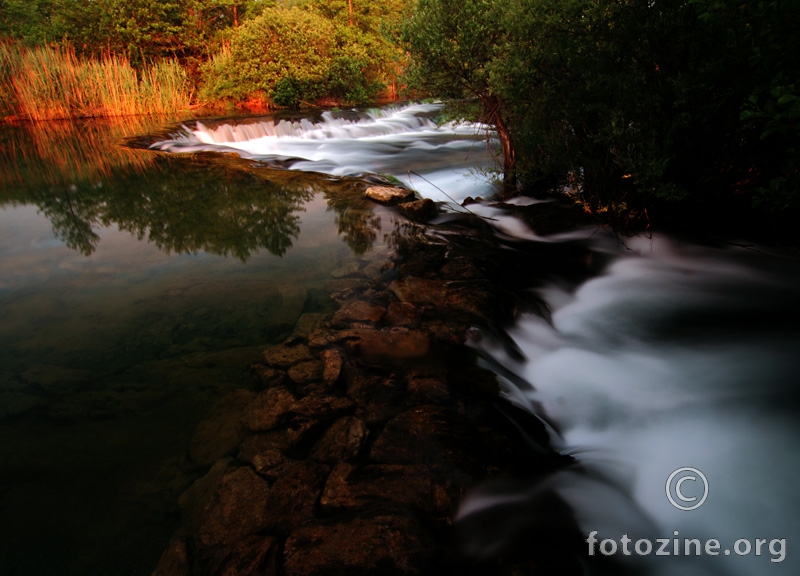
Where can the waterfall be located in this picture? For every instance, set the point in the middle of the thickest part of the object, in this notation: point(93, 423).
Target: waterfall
point(676, 356)
point(401, 142)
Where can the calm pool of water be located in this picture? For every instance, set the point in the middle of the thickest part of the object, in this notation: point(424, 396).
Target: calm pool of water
point(135, 289)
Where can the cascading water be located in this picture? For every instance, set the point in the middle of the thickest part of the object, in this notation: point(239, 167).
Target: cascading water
point(399, 141)
point(677, 356)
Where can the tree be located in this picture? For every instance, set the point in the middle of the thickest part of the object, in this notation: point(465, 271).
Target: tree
point(453, 44)
point(633, 104)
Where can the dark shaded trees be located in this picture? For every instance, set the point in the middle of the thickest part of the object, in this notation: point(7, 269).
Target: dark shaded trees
point(630, 104)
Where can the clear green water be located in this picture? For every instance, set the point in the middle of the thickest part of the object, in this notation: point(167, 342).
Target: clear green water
point(135, 289)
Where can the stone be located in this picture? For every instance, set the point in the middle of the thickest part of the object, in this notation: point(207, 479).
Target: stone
point(358, 311)
point(419, 210)
point(388, 194)
point(374, 269)
point(254, 556)
point(396, 545)
point(398, 344)
point(428, 390)
point(217, 435)
point(285, 356)
point(174, 561)
point(475, 300)
point(403, 314)
point(321, 337)
point(293, 497)
point(390, 487)
point(346, 270)
point(306, 372)
point(378, 397)
point(270, 463)
point(429, 435)
point(292, 440)
point(419, 290)
point(268, 410)
point(196, 497)
point(452, 332)
point(342, 284)
point(461, 268)
point(307, 323)
point(238, 509)
point(331, 366)
point(341, 442)
point(268, 376)
point(320, 407)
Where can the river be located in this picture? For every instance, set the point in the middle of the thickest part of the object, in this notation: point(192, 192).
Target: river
point(137, 285)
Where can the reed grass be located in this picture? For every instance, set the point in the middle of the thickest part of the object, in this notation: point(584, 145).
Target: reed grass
point(46, 83)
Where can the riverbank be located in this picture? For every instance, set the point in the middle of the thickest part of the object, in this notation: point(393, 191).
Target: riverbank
point(372, 423)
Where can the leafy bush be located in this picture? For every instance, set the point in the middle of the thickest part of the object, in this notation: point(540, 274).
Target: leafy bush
point(296, 57)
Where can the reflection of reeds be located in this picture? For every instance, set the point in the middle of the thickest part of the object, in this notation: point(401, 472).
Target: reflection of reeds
point(63, 153)
point(45, 83)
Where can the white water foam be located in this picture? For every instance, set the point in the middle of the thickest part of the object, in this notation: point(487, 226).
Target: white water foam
point(676, 356)
point(401, 142)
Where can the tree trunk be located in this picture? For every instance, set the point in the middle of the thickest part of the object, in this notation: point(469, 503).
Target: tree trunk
point(493, 108)
point(350, 10)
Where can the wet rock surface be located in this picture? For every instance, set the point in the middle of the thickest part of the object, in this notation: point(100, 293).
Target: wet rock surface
point(388, 194)
point(372, 423)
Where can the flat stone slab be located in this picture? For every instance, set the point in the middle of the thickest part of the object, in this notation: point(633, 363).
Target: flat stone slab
point(389, 194)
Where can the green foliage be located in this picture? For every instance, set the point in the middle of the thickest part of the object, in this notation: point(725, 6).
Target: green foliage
point(297, 57)
point(277, 44)
point(630, 103)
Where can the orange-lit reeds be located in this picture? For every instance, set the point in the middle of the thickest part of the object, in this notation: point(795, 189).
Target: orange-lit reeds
point(45, 83)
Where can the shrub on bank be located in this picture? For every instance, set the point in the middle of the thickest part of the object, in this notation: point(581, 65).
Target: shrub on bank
point(297, 57)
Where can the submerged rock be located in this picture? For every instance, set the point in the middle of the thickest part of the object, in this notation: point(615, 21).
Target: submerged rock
point(293, 498)
point(217, 435)
point(341, 442)
point(331, 366)
point(430, 435)
point(420, 290)
point(403, 314)
point(347, 270)
point(362, 445)
point(419, 210)
point(376, 546)
point(358, 311)
point(390, 486)
point(238, 509)
point(285, 356)
point(306, 372)
point(268, 410)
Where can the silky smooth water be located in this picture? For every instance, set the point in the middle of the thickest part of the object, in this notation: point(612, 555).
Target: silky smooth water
point(677, 355)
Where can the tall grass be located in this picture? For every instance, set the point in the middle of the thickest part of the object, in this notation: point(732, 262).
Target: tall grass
point(46, 83)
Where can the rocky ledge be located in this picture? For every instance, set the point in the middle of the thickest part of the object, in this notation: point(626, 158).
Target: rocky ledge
point(369, 425)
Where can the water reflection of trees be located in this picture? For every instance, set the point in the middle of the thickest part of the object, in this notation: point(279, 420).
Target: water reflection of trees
point(355, 219)
point(83, 179)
